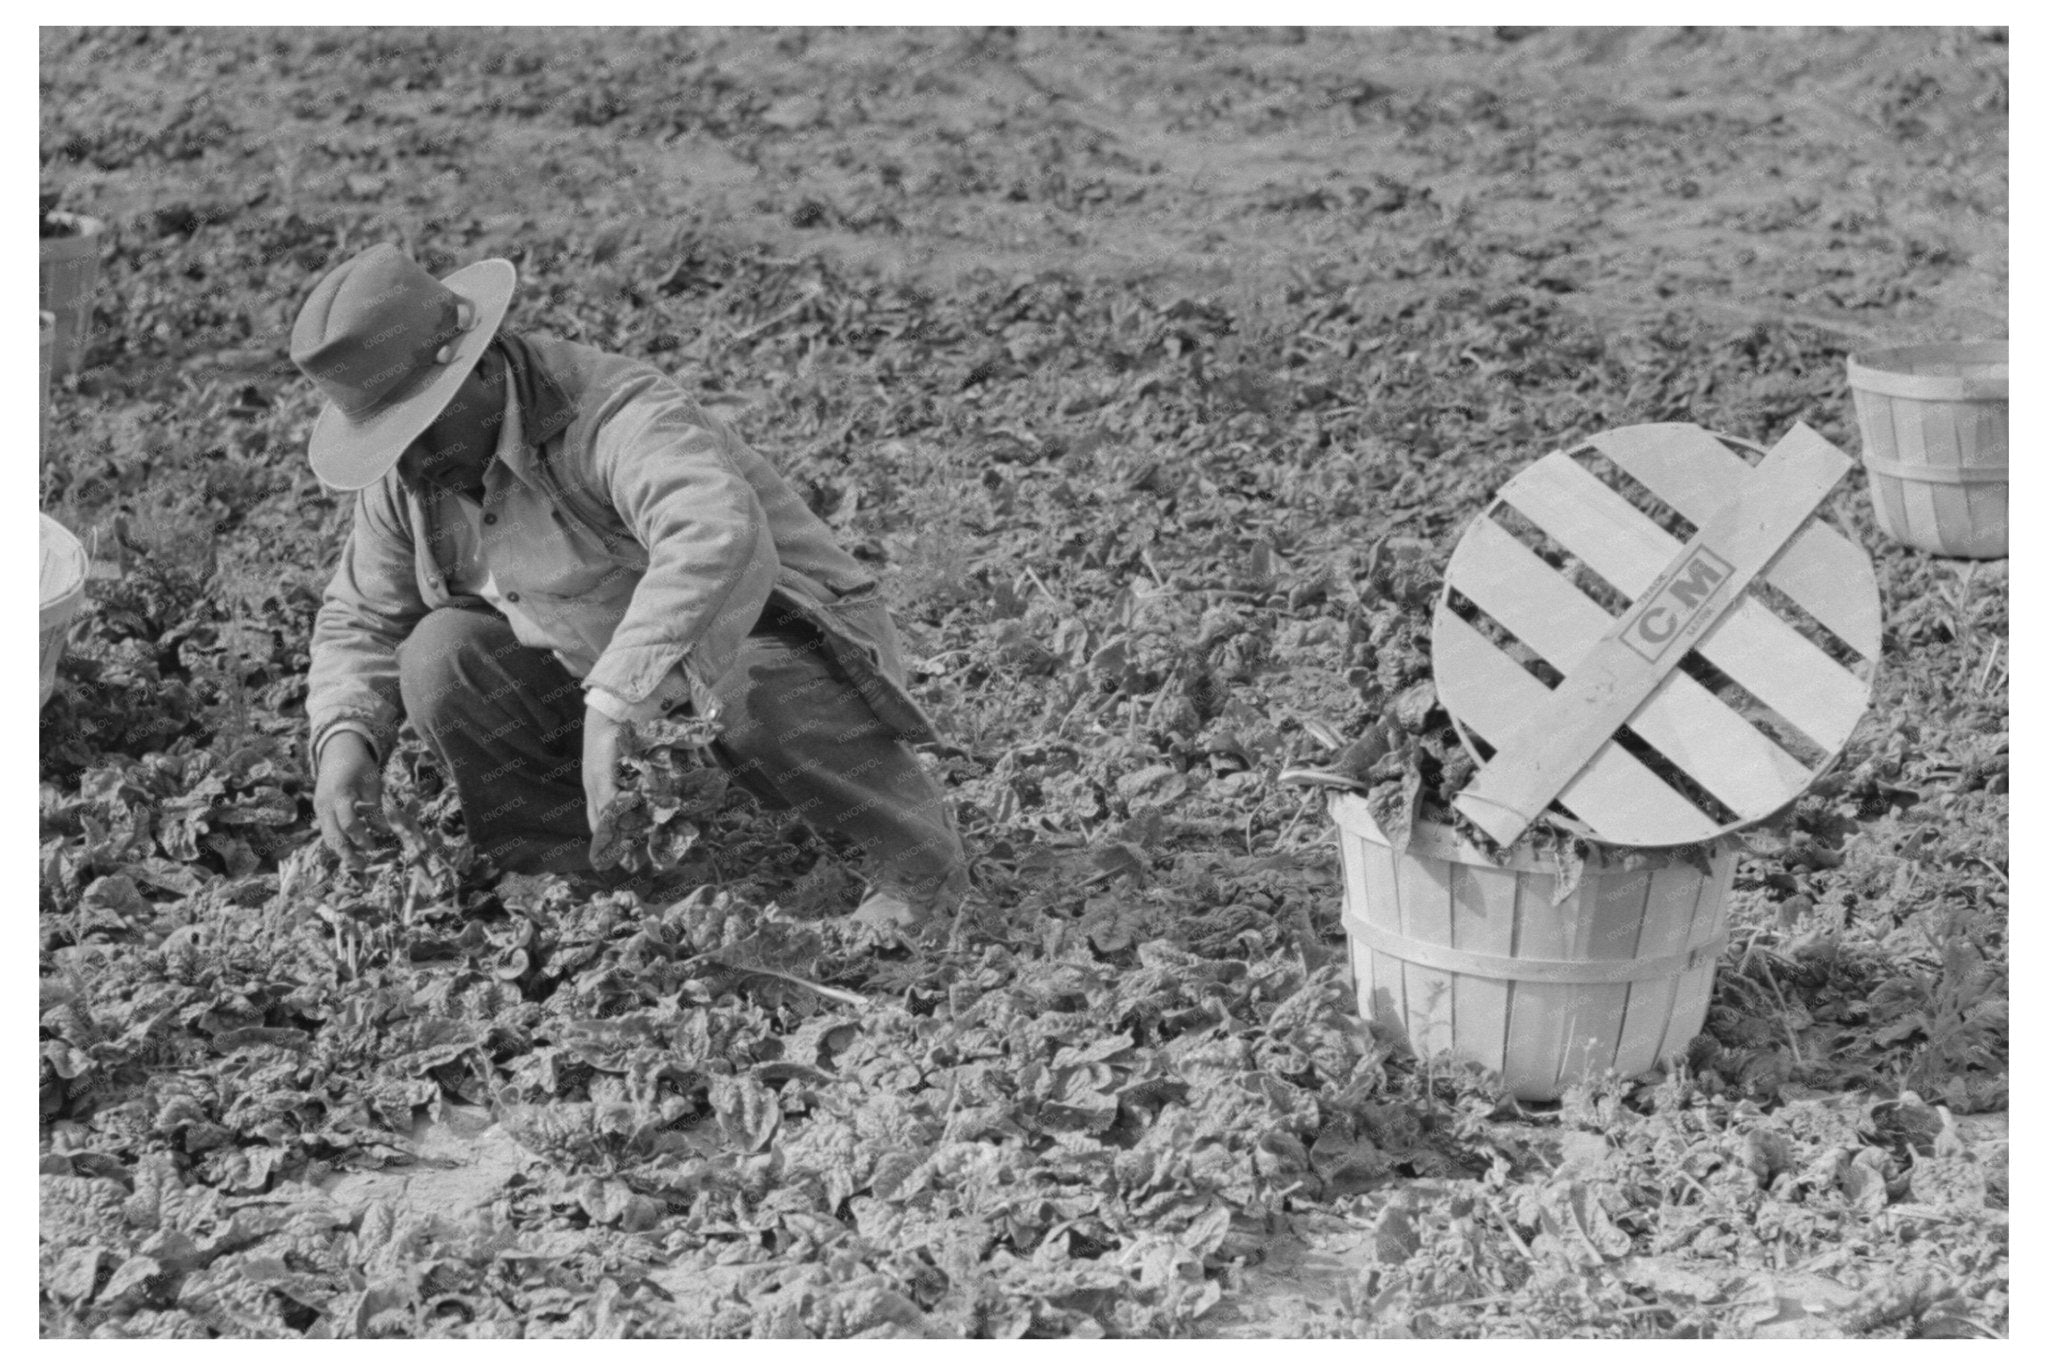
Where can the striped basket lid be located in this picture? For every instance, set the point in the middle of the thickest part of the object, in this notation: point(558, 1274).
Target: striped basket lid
point(1702, 684)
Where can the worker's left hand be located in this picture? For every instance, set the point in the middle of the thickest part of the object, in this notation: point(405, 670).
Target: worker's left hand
point(602, 739)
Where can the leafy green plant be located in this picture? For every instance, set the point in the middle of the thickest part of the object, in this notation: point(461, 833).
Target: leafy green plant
point(1159, 536)
point(670, 788)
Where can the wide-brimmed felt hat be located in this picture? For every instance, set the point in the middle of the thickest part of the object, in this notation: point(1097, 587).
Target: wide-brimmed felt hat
point(390, 345)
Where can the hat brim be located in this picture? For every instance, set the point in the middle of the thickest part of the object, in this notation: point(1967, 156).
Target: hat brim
point(351, 454)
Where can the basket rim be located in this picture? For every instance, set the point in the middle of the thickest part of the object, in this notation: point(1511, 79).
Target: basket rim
point(1894, 371)
point(1443, 843)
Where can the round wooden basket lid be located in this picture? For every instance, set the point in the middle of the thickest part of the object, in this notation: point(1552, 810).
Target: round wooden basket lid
point(1651, 640)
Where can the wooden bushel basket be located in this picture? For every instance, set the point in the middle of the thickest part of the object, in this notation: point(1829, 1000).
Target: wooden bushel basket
point(1463, 956)
point(1641, 688)
point(70, 271)
point(1934, 421)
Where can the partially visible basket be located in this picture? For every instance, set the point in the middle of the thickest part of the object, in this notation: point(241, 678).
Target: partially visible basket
point(1934, 425)
point(1463, 956)
point(62, 594)
point(47, 341)
point(70, 272)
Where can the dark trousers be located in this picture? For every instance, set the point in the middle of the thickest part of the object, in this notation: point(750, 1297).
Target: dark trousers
point(506, 722)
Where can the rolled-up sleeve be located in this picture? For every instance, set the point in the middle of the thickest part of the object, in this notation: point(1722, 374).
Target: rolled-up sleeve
point(371, 605)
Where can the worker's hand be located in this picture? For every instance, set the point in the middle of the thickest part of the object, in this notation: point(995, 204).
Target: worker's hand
point(348, 797)
point(602, 739)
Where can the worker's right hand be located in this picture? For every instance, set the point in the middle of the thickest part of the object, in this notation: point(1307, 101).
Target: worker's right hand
point(348, 797)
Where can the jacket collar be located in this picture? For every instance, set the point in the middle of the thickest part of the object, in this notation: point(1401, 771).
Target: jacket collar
point(545, 408)
point(540, 409)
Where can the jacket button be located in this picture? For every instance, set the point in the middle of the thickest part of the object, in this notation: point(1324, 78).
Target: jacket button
point(511, 597)
point(490, 518)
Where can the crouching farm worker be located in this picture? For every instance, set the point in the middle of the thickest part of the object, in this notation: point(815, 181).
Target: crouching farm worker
point(550, 542)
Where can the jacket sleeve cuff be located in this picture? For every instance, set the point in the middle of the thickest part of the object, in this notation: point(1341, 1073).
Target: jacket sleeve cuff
point(333, 728)
point(671, 692)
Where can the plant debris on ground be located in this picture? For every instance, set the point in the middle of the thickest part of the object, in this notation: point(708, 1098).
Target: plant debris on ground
point(1156, 373)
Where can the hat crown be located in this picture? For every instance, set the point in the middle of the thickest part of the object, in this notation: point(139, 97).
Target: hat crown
point(373, 327)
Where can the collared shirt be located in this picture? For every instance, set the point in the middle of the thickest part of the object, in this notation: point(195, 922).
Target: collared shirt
point(469, 571)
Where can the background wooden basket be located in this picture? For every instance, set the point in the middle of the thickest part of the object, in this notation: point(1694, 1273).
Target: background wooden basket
point(70, 269)
point(1759, 683)
point(1935, 427)
point(46, 341)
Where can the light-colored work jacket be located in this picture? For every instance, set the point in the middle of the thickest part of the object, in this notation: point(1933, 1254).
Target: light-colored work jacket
point(626, 530)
